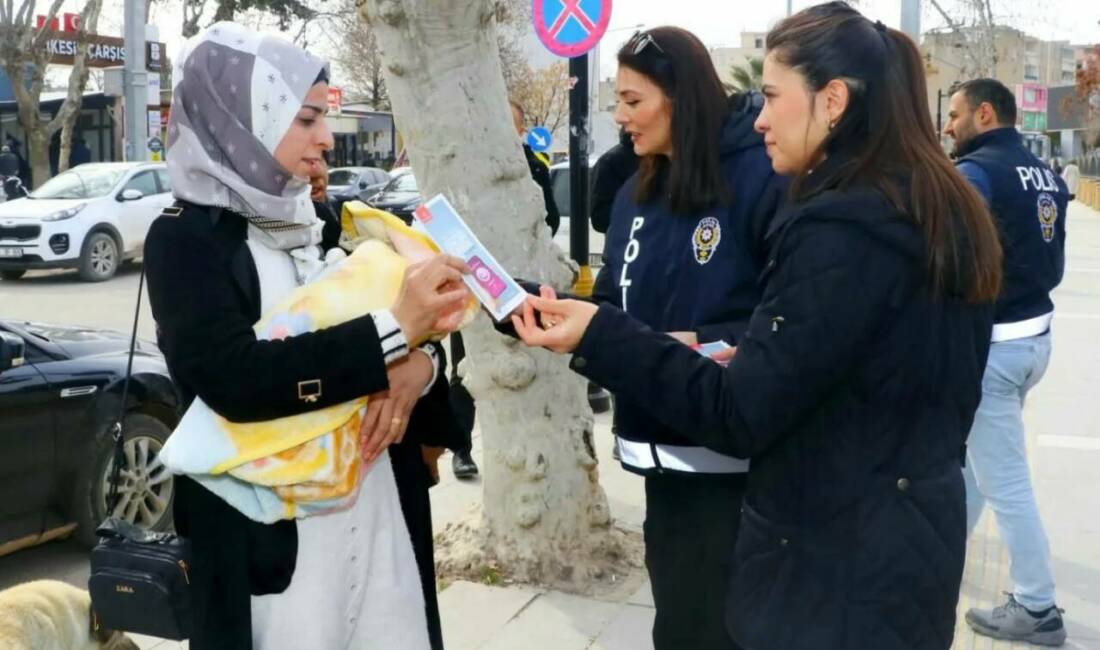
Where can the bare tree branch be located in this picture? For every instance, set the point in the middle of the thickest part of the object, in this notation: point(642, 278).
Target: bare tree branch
point(66, 116)
point(43, 35)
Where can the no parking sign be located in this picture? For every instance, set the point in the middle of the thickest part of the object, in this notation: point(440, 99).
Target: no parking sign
point(570, 28)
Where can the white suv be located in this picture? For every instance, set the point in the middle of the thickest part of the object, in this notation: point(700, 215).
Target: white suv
point(91, 218)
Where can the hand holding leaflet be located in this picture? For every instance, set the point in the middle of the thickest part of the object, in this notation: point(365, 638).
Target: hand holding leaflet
point(488, 280)
point(718, 351)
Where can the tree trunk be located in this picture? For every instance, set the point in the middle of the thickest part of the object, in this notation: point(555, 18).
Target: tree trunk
point(65, 151)
point(38, 155)
point(192, 14)
point(227, 10)
point(544, 517)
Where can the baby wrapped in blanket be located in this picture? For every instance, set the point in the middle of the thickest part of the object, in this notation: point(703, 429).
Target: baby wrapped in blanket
point(310, 463)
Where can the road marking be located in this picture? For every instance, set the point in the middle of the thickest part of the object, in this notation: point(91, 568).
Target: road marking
point(1080, 443)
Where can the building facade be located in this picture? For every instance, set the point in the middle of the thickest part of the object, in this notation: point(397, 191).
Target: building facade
point(1027, 65)
point(726, 58)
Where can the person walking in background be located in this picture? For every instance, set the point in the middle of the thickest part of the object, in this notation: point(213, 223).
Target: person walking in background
point(611, 172)
point(854, 388)
point(539, 166)
point(318, 184)
point(1072, 176)
point(1028, 201)
point(79, 153)
point(9, 174)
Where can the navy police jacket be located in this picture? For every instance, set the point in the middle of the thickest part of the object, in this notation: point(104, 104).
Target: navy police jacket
point(692, 272)
point(1028, 202)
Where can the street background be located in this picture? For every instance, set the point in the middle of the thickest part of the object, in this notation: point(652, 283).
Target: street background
point(1062, 415)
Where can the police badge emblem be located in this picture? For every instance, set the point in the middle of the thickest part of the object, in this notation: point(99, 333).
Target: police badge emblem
point(1048, 215)
point(706, 238)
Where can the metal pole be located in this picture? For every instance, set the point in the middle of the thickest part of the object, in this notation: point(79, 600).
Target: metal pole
point(790, 9)
point(578, 171)
point(136, 95)
point(910, 19)
point(939, 112)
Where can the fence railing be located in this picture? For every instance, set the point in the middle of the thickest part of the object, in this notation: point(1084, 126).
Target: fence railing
point(1088, 192)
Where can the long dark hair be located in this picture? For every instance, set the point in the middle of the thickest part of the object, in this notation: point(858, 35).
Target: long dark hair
point(886, 135)
point(678, 62)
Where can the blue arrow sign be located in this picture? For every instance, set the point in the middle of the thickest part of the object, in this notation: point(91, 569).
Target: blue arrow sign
point(539, 138)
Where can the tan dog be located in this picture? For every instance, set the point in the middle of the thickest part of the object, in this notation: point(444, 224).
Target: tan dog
point(52, 615)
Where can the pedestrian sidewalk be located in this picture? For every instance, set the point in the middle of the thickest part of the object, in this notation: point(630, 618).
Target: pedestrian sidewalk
point(1063, 424)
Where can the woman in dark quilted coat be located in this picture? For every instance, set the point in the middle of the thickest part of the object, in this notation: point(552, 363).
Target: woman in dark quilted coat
point(855, 386)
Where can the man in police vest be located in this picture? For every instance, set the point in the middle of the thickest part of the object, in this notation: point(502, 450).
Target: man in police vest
point(1028, 201)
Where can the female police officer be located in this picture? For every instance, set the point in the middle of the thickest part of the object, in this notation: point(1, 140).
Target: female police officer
point(854, 387)
point(680, 257)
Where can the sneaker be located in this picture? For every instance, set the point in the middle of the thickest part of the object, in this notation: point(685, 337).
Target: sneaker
point(1013, 622)
point(463, 465)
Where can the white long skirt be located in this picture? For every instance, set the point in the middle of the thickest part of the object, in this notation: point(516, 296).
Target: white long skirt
point(356, 583)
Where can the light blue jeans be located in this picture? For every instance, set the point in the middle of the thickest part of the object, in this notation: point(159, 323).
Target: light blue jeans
point(997, 471)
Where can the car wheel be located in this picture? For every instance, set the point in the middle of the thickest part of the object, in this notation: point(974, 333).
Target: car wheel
point(13, 274)
point(99, 258)
point(146, 489)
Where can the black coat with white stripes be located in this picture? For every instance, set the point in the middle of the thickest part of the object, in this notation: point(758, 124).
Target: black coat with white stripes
point(852, 391)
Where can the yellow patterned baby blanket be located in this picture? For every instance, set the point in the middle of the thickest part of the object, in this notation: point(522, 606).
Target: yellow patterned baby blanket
point(310, 463)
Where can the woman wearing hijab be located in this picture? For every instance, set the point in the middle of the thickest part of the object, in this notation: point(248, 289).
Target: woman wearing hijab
point(246, 127)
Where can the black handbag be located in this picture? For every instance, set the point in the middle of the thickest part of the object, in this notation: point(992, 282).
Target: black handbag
point(139, 581)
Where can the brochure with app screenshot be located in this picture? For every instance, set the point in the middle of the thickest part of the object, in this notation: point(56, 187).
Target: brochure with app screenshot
point(488, 280)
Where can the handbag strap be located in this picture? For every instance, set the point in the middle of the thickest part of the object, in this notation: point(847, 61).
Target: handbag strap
point(116, 428)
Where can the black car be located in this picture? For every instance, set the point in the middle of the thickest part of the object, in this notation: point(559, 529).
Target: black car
point(60, 389)
point(400, 197)
point(354, 184)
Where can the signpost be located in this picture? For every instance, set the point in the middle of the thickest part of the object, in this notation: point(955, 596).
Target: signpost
point(135, 80)
point(571, 28)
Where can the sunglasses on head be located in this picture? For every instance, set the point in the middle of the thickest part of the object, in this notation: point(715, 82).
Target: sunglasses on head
point(640, 41)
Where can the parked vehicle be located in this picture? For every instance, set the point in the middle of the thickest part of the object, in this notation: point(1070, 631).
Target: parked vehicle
point(354, 183)
point(560, 185)
point(91, 217)
point(60, 389)
point(400, 196)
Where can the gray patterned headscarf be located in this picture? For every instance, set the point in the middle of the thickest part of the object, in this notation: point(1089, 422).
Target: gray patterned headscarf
point(235, 95)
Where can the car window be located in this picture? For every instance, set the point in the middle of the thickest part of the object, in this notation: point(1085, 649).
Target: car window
point(342, 177)
point(380, 176)
point(165, 180)
point(32, 355)
point(403, 183)
point(144, 182)
point(559, 185)
point(85, 182)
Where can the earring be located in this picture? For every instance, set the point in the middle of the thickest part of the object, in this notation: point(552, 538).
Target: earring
point(832, 125)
